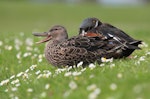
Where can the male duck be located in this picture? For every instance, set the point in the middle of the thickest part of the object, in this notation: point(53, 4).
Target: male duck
point(93, 27)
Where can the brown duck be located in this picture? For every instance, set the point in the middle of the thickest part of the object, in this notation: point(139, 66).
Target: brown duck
point(61, 51)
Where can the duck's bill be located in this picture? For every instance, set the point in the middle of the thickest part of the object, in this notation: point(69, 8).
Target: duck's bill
point(45, 34)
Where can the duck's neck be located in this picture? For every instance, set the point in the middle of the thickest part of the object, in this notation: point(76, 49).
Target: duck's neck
point(54, 42)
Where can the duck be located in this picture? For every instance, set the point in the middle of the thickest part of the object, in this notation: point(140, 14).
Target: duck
point(93, 27)
point(61, 51)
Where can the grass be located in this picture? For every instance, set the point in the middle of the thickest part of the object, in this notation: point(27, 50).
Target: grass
point(34, 78)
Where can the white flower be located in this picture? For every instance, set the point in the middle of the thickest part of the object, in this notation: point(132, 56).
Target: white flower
point(1, 43)
point(17, 85)
point(16, 97)
point(143, 44)
point(29, 90)
point(27, 70)
point(147, 53)
point(14, 89)
point(17, 47)
point(29, 42)
point(101, 65)
point(37, 72)
point(119, 75)
point(69, 68)
point(137, 63)
point(39, 76)
point(29, 48)
point(91, 76)
point(43, 95)
point(18, 42)
point(36, 49)
point(97, 91)
point(106, 60)
point(47, 86)
point(18, 55)
point(75, 73)
point(94, 94)
point(19, 74)
point(142, 58)
point(21, 33)
point(6, 90)
point(40, 60)
point(8, 47)
point(4, 82)
point(13, 76)
point(15, 81)
point(25, 76)
point(47, 75)
point(113, 86)
point(82, 70)
point(80, 64)
point(59, 70)
point(26, 54)
point(91, 87)
point(67, 93)
point(112, 65)
point(67, 74)
point(32, 67)
point(135, 56)
point(73, 85)
point(92, 66)
point(40, 56)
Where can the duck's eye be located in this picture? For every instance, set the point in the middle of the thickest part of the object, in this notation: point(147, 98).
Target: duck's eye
point(53, 29)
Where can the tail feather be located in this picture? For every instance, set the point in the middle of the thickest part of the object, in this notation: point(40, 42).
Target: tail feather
point(132, 47)
point(134, 44)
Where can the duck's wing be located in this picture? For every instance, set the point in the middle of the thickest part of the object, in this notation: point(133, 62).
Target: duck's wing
point(119, 35)
point(109, 30)
point(76, 49)
point(89, 43)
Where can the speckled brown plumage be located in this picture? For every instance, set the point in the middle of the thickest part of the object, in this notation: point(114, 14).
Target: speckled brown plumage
point(61, 51)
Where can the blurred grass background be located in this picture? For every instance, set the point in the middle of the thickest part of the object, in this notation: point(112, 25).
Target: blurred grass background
point(28, 17)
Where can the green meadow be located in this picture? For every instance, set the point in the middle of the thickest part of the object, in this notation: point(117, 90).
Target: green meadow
point(25, 73)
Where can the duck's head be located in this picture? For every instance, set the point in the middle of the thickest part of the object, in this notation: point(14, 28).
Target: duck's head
point(57, 32)
point(88, 24)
